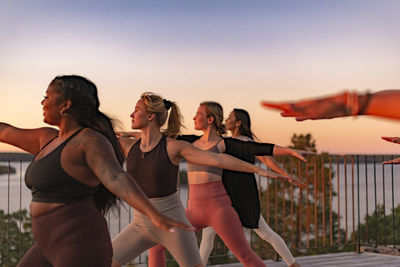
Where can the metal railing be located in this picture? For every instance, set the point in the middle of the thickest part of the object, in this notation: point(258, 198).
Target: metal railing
point(351, 201)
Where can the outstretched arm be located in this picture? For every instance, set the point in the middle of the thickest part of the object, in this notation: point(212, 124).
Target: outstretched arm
point(238, 148)
point(102, 161)
point(219, 160)
point(383, 104)
point(286, 151)
point(271, 163)
point(30, 140)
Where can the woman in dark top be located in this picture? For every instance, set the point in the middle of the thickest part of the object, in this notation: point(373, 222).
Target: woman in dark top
point(153, 161)
point(75, 178)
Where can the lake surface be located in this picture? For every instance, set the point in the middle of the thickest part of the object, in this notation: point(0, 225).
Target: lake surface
point(14, 195)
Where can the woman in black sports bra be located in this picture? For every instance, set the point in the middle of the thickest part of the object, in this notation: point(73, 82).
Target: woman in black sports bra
point(75, 178)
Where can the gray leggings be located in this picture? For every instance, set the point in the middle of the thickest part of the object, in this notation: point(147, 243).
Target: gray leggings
point(141, 235)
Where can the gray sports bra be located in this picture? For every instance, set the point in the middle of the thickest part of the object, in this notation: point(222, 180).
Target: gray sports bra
point(201, 168)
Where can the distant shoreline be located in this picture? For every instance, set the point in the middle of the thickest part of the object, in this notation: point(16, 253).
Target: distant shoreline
point(15, 156)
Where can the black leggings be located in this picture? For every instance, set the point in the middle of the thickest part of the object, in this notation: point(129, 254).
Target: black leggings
point(75, 234)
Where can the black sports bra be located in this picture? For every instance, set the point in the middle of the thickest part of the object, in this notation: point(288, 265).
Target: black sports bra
point(50, 183)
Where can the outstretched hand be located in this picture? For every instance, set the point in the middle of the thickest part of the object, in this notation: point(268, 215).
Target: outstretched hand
point(393, 161)
point(313, 109)
point(296, 181)
point(291, 179)
point(301, 154)
point(395, 140)
point(168, 224)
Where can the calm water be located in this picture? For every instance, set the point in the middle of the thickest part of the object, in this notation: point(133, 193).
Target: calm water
point(19, 196)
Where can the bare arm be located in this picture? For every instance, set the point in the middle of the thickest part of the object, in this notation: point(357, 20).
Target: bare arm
point(383, 104)
point(275, 166)
point(271, 163)
point(220, 160)
point(286, 151)
point(101, 159)
point(30, 140)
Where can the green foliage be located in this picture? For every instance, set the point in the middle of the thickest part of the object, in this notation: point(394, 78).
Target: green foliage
point(303, 142)
point(378, 227)
point(297, 214)
point(6, 169)
point(15, 236)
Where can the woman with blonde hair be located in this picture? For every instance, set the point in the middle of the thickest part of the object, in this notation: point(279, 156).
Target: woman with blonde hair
point(239, 186)
point(208, 201)
point(153, 161)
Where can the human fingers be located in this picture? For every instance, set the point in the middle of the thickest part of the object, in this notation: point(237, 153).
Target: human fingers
point(395, 140)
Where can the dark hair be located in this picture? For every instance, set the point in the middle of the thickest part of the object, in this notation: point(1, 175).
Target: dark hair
point(85, 109)
point(245, 127)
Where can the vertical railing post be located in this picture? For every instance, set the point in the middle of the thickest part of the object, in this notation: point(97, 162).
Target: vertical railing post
point(20, 213)
point(358, 205)
point(315, 204)
point(300, 206)
point(330, 203)
point(308, 208)
point(352, 199)
point(384, 202)
point(393, 210)
point(8, 215)
point(338, 198)
point(323, 199)
point(345, 199)
point(376, 205)
point(366, 200)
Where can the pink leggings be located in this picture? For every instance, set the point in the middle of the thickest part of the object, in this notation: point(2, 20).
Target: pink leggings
point(209, 205)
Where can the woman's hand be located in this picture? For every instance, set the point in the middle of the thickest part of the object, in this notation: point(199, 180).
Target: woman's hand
point(296, 181)
point(395, 140)
point(291, 179)
point(163, 222)
point(344, 104)
point(393, 161)
point(301, 154)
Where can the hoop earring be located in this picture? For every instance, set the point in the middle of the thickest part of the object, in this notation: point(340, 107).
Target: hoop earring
point(63, 113)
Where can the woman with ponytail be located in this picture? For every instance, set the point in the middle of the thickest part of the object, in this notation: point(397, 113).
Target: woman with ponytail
point(75, 178)
point(153, 161)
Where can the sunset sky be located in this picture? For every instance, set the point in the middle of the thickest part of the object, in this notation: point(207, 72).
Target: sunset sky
point(233, 52)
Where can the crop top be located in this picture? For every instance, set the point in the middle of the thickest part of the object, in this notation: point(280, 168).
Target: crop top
point(156, 175)
point(209, 169)
point(50, 183)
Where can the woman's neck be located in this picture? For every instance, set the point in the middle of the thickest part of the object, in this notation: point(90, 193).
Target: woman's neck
point(235, 132)
point(210, 135)
point(150, 136)
point(67, 127)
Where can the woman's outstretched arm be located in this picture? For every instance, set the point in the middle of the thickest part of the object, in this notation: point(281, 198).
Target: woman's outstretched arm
point(383, 104)
point(30, 140)
point(220, 160)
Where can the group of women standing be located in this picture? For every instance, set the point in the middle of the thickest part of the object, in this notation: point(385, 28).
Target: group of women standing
point(77, 176)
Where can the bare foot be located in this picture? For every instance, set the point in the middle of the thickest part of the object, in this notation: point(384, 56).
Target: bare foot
point(295, 264)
